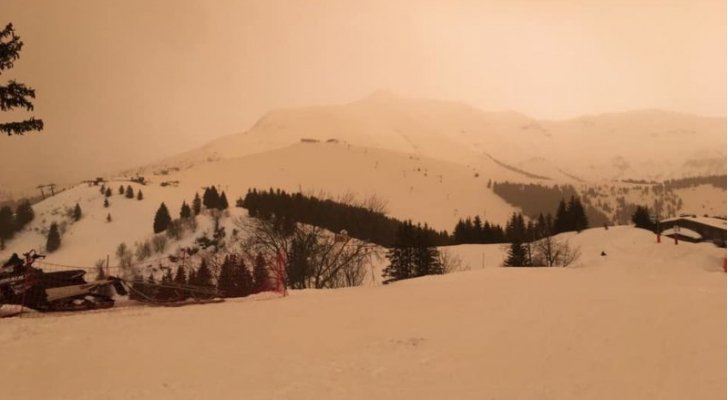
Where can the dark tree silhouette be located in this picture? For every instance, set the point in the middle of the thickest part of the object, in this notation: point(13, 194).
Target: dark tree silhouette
point(261, 279)
point(77, 213)
point(15, 94)
point(23, 215)
point(162, 219)
point(180, 277)
point(517, 256)
point(223, 202)
point(185, 211)
point(641, 218)
point(203, 277)
point(197, 204)
point(54, 238)
point(211, 198)
point(6, 222)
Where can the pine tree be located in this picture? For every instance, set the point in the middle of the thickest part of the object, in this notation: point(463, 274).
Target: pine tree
point(106, 203)
point(197, 204)
point(108, 192)
point(298, 267)
point(211, 198)
point(180, 277)
point(234, 279)
point(15, 94)
point(517, 255)
point(426, 257)
point(223, 203)
point(261, 279)
point(577, 215)
point(129, 192)
point(225, 284)
point(7, 222)
point(192, 278)
point(54, 238)
point(243, 275)
point(121, 190)
point(516, 228)
point(23, 215)
point(641, 218)
point(162, 219)
point(402, 256)
point(77, 213)
point(140, 196)
point(561, 221)
point(185, 211)
point(102, 189)
point(203, 277)
point(108, 217)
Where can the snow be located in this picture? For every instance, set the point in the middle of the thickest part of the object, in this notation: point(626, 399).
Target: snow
point(703, 199)
point(647, 321)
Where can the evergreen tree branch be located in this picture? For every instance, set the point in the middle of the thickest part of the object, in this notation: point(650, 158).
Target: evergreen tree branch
point(15, 95)
point(19, 128)
point(9, 49)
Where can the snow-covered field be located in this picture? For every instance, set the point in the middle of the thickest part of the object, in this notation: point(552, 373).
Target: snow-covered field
point(647, 321)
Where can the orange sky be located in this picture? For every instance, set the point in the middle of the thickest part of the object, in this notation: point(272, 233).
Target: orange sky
point(142, 78)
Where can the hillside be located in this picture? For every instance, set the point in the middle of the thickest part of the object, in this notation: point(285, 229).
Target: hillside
point(645, 322)
point(92, 238)
point(425, 190)
point(638, 144)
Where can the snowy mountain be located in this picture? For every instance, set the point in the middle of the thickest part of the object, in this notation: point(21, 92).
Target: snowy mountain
point(646, 144)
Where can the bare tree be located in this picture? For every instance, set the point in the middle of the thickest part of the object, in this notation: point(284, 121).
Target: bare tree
point(450, 262)
point(551, 252)
point(315, 257)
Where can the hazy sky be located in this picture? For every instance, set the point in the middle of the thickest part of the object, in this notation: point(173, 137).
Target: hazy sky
point(130, 80)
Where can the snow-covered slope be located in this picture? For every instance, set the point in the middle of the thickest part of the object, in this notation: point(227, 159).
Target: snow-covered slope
point(418, 188)
point(645, 322)
point(92, 238)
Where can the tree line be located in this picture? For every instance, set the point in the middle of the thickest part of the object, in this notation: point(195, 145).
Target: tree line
point(363, 223)
point(570, 216)
point(12, 222)
point(233, 279)
point(535, 199)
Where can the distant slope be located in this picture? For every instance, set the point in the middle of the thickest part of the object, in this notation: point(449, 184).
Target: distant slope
point(638, 144)
point(417, 188)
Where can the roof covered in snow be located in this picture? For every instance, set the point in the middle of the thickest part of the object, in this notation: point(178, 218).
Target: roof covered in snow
point(707, 221)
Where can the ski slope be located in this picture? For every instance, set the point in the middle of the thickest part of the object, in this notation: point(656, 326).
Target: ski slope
point(645, 322)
